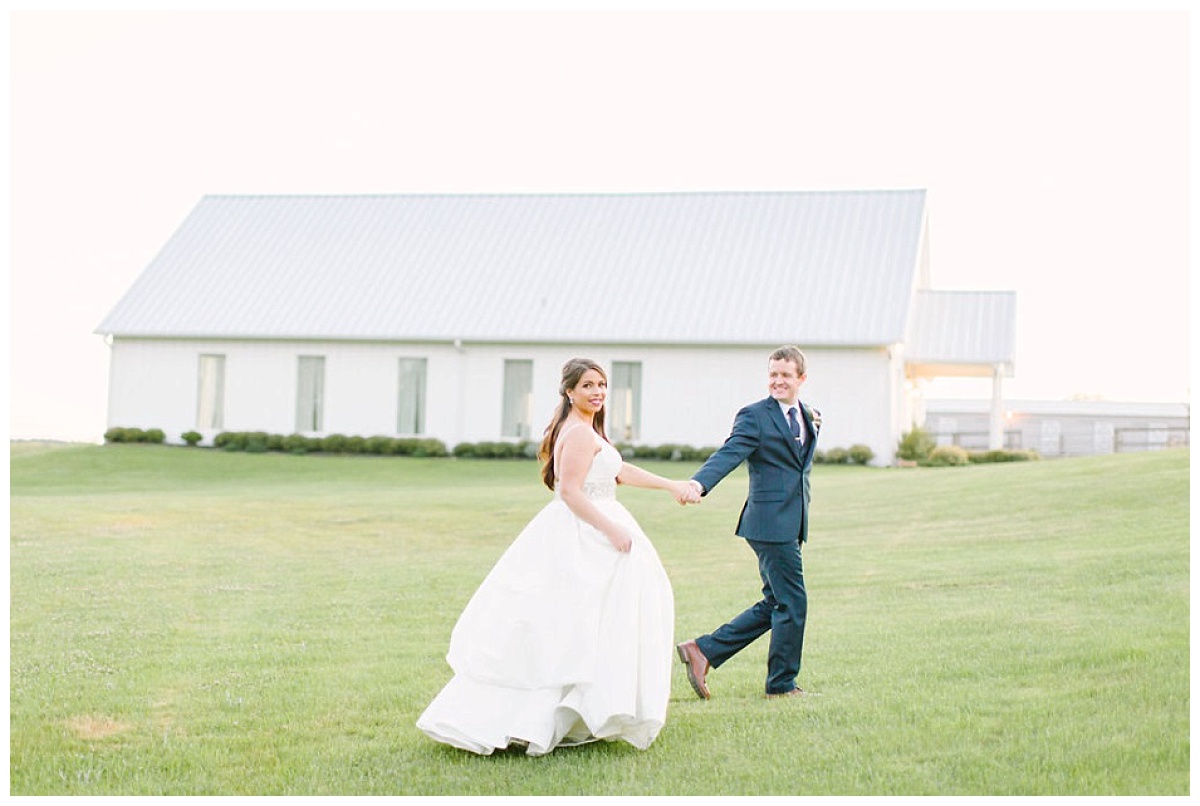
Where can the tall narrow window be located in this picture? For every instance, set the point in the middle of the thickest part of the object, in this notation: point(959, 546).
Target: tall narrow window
point(518, 399)
point(310, 394)
point(623, 422)
point(210, 406)
point(411, 417)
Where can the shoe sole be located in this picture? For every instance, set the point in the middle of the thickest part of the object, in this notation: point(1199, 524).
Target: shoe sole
point(800, 693)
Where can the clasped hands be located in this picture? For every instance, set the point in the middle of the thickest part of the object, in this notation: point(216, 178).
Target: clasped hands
point(687, 492)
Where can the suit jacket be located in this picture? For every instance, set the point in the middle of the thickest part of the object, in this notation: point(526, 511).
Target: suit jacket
point(776, 510)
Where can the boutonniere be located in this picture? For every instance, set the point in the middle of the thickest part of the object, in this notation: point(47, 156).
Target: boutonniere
point(816, 418)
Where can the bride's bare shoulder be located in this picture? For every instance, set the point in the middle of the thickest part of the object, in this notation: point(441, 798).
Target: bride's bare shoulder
point(578, 437)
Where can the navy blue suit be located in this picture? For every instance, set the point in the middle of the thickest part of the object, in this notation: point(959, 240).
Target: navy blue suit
point(774, 521)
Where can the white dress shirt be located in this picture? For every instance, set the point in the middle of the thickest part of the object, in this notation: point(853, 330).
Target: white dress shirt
point(799, 416)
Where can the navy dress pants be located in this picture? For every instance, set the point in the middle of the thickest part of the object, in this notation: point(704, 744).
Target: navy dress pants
point(782, 610)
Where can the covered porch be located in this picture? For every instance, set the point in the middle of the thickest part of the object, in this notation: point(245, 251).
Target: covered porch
point(963, 334)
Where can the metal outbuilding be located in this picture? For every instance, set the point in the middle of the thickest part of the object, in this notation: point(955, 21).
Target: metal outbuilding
point(1060, 428)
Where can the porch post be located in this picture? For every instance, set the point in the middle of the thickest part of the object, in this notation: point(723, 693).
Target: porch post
point(996, 432)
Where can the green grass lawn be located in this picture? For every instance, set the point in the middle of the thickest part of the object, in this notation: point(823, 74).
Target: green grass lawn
point(188, 621)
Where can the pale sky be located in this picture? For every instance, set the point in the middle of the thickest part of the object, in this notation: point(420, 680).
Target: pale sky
point(1053, 145)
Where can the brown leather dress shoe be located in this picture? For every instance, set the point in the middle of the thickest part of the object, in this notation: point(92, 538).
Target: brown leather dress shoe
point(696, 666)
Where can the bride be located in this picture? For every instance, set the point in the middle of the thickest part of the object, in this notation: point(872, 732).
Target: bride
point(569, 638)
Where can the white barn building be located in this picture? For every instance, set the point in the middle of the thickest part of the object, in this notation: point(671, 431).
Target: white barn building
point(450, 316)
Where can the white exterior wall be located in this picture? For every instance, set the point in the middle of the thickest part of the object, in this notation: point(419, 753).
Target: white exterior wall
point(152, 385)
point(857, 393)
point(689, 395)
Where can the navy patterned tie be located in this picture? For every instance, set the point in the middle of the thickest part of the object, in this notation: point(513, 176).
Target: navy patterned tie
point(794, 423)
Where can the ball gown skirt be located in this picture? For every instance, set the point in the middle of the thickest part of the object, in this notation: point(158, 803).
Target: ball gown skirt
point(566, 641)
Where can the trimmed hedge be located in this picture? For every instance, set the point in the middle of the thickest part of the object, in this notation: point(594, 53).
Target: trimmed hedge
point(854, 455)
point(861, 454)
point(919, 447)
point(947, 456)
point(984, 457)
point(496, 450)
point(669, 452)
point(528, 450)
point(916, 443)
point(834, 456)
point(152, 435)
point(262, 442)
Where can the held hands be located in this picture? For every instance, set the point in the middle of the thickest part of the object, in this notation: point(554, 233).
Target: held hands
point(686, 492)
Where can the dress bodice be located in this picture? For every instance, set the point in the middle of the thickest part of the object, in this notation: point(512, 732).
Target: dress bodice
point(600, 484)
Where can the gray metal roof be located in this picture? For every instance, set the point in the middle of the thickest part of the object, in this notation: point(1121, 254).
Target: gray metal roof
point(963, 327)
point(813, 268)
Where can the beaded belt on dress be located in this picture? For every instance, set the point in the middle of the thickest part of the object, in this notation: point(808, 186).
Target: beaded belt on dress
point(600, 490)
point(595, 490)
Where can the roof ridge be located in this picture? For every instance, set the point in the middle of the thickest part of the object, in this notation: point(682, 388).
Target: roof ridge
point(568, 194)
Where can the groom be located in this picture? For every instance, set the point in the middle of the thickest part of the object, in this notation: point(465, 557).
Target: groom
point(776, 438)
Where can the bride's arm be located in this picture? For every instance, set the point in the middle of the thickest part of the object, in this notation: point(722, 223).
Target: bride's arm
point(578, 449)
point(634, 476)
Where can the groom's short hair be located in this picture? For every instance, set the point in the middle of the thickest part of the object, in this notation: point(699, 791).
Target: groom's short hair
point(793, 354)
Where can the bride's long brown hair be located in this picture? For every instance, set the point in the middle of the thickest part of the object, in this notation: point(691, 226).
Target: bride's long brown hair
point(571, 373)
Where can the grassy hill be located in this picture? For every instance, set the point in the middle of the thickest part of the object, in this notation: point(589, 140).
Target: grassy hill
point(189, 621)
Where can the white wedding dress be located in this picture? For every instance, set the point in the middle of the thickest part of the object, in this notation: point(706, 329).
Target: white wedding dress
point(566, 641)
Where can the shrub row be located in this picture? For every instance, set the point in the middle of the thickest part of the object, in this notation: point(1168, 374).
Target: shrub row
point(915, 446)
point(920, 447)
point(261, 442)
point(496, 450)
point(152, 435)
point(528, 450)
point(946, 456)
point(984, 457)
point(854, 455)
point(669, 452)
